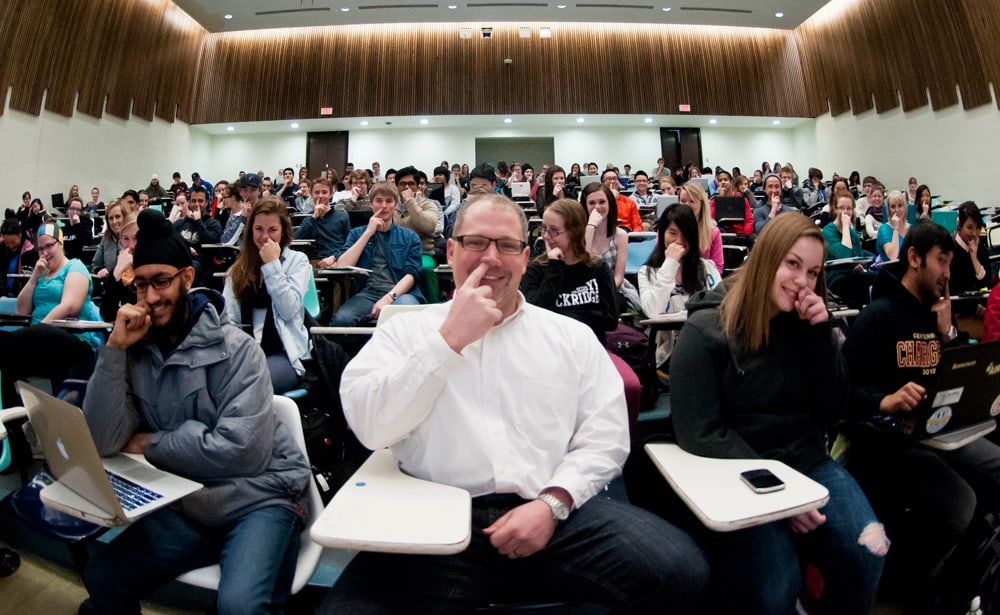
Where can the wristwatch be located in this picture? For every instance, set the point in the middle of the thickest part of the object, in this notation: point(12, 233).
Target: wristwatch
point(560, 512)
point(393, 294)
point(952, 334)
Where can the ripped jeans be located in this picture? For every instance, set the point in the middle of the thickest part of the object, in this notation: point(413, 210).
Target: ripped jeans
point(760, 567)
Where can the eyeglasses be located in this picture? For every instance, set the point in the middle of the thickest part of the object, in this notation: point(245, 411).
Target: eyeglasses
point(47, 247)
point(478, 243)
point(141, 286)
point(551, 231)
point(406, 184)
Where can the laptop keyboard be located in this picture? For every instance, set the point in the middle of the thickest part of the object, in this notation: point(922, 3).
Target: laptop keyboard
point(131, 495)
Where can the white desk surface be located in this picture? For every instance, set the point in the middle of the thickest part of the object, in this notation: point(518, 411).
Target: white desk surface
point(342, 330)
point(381, 509)
point(714, 492)
point(673, 318)
point(332, 271)
point(82, 325)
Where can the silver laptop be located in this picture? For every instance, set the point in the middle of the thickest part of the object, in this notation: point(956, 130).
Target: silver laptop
point(663, 201)
point(111, 491)
point(589, 179)
point(520, 190)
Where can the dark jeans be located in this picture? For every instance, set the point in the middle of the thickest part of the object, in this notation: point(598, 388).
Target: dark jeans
point(41, 350)
point(761, 570)
point(358, 308)
point(256, 554)
point(606, 552)
point(928, 499)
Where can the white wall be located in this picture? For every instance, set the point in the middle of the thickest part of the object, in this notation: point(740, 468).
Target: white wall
point(954, 152)
point(49, 153)
point(427, 147)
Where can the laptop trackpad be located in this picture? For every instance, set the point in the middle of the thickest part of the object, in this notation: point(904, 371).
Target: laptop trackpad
point(135, 471)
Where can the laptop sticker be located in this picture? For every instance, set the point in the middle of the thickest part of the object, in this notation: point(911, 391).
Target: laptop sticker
point(939, 419)
point(948, 396)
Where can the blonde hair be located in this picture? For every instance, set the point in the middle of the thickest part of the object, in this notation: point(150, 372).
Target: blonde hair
point(747, 309)
point(697, 193)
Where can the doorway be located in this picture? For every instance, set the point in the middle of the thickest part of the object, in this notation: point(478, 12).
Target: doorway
point(326, 150)
point(680, 146)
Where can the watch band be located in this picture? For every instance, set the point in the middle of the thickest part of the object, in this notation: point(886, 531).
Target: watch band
point(560, 512)
point(393, 294)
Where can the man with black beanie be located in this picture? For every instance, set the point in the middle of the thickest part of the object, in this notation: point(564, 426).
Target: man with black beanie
point(179, 384)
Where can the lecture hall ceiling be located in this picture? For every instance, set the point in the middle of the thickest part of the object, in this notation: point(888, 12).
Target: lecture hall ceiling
point(261, 14)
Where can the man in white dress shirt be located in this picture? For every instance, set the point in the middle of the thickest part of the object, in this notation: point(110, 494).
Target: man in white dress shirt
point(523, 408)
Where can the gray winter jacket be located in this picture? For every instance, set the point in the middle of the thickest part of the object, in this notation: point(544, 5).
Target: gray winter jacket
point(208, 407)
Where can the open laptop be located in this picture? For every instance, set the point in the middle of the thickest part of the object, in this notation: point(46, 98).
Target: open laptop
point(520, 190)
point(663, 201)
point(589, 179)
point(963, 399)
point(730, 209)
point(111, 491)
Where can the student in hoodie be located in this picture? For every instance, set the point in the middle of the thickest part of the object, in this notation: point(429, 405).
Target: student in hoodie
point(897, 343)
point(179, 384)
point(744, 384)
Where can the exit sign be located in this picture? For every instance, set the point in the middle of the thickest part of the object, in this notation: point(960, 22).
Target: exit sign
point(685, 108)
point(326, 111)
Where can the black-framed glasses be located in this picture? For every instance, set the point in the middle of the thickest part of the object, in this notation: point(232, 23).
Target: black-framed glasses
point(478, 243)
point(159, 283)
point(551, 231)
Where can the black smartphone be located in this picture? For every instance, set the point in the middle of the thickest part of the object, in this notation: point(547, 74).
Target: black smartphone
point(762, 481)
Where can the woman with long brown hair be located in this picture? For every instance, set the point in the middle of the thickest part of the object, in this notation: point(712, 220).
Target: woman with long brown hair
point(757, 373)
point(265, 292)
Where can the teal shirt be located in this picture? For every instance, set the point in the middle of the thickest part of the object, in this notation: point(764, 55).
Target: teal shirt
point(835, 249)
point(48, 294)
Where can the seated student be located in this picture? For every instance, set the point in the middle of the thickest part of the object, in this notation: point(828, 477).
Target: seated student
point(842, 241)
point(327, 227)
point(628, 211)
point(534, 436)
point(390, 251)
point(607, 241)
point(18, 254)
point(928, 498)
point(424, 217)
point(674, 271)
point(773, 205)
point(891, 234)
point(78, 229)
point(59, 288)
point(355, 197)
point(118, 289)
point(106, 255)
point(923, 201)
point(249, 194)
point(744, 385)
point(970, 264)
point(570, 280)
point(265, 291)
point(871, 215)
point(180, 385)
point(194, 225)
point(727, 188)
point(709, 235)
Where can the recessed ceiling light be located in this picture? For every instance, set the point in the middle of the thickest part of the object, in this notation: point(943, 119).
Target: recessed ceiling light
point(507, 120)
point(580, 120)
point(364, 122)
point(295, 124)
point(666, 9)
point(230, 128)
point(344, 9)
point(776, 122)
point(713, 121)
point(424, 121)
point(779, 14)
point(560, 6)
point(453, 6)
point(227, 16)
point(648, 120)
point(545, 32)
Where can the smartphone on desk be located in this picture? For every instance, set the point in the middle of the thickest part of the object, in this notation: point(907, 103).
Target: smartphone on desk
point(762, 481)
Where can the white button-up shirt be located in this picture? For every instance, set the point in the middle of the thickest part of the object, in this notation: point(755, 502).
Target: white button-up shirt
point(534, 403)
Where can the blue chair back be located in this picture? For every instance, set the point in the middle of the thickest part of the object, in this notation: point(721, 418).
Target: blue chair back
point(638, 254)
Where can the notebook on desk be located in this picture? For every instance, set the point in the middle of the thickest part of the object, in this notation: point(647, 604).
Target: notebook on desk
point(111, 491)
point(963, 397)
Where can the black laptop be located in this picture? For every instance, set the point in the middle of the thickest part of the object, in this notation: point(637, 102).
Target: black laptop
point(963, 399)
